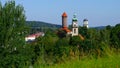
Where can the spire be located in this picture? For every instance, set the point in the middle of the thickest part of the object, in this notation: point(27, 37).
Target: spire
point(64, 14)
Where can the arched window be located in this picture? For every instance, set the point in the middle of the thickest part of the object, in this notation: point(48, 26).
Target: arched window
point(74, 30)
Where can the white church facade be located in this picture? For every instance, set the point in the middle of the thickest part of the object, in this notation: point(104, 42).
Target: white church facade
point(74, 26)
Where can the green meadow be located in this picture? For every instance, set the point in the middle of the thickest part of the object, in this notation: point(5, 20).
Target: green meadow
point(112, 61)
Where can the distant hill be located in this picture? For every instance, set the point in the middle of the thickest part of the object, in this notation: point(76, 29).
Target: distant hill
point(40, 24)
point(99, 27)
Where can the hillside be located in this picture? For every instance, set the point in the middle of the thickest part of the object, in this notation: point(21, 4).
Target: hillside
point(99, 27)
point(40, 24)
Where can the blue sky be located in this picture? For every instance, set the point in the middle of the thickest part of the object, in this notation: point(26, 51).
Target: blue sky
point(98, 12)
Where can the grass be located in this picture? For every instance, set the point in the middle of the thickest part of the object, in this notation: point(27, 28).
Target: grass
point(113, 61)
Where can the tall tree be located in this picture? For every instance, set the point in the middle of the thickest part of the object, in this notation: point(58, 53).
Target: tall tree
point(12, 24)
point(115, 36)
point(12, 35)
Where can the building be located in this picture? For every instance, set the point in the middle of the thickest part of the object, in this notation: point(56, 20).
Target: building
point(74, 26)
point(31, 38)
point(74, 31)
point(85, 23)
point(64, 24)
point(64, 20)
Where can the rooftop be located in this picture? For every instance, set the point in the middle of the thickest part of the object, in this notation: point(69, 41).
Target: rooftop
point(66, 29)
point(85, 20)
point(64, 14)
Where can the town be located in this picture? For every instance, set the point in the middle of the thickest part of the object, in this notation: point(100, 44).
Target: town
point(26, 42)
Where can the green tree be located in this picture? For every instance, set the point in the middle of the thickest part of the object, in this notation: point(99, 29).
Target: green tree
point(61, 50)
point(12, 36)
point(75, 40)
point(108, 27)
point(61, 33)
point(115, 36)
point(84, 32)
point(12, 25)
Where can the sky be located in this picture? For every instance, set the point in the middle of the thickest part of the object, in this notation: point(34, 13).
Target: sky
point(98, 12)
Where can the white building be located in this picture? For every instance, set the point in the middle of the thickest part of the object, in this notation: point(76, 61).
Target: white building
point(74, 26)
point(85, 23)
point(33, 36)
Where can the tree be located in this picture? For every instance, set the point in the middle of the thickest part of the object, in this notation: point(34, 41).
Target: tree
point(108, 27)
point(84, 32)
point(12, 24)
point(75, 40)
point(115, 36)
point(12, 36)
point(61, 33)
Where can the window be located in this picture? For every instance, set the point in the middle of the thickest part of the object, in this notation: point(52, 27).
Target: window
point(74, 30)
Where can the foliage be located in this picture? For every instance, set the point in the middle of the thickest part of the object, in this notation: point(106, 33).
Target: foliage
point(53, 48)
point(75, 40)
point(61, 33)
point(115, 36)
point(14, 52)
point(39, 26)
point(95, 45)
point(35, 24)
point(109, 62)
point(84, 32)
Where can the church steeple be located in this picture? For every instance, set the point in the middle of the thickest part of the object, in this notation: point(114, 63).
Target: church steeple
point(74, 25)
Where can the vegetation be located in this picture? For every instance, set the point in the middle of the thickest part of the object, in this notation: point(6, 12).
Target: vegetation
point(14, 52)
point(106, 62)
point(100, 48)
point(41, 24)
point(36, 26)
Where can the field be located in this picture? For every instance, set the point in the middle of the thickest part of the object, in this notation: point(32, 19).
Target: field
point(113, 61)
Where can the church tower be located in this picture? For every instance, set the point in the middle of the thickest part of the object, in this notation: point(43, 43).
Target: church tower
point(85, 23)
point(74, 26)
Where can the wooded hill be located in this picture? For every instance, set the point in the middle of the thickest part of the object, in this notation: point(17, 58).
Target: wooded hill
point(41, 24)
point(38, 24)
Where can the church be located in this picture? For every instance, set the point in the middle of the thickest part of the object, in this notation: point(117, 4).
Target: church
point(74, 31)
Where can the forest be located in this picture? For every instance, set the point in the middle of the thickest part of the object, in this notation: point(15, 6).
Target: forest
point(98, 49)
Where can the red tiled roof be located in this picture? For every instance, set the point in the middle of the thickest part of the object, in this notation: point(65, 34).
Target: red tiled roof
point(36, 34)
point(64, 15)
point(66, 29)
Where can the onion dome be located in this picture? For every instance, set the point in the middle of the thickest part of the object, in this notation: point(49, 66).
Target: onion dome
point(74, 17)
